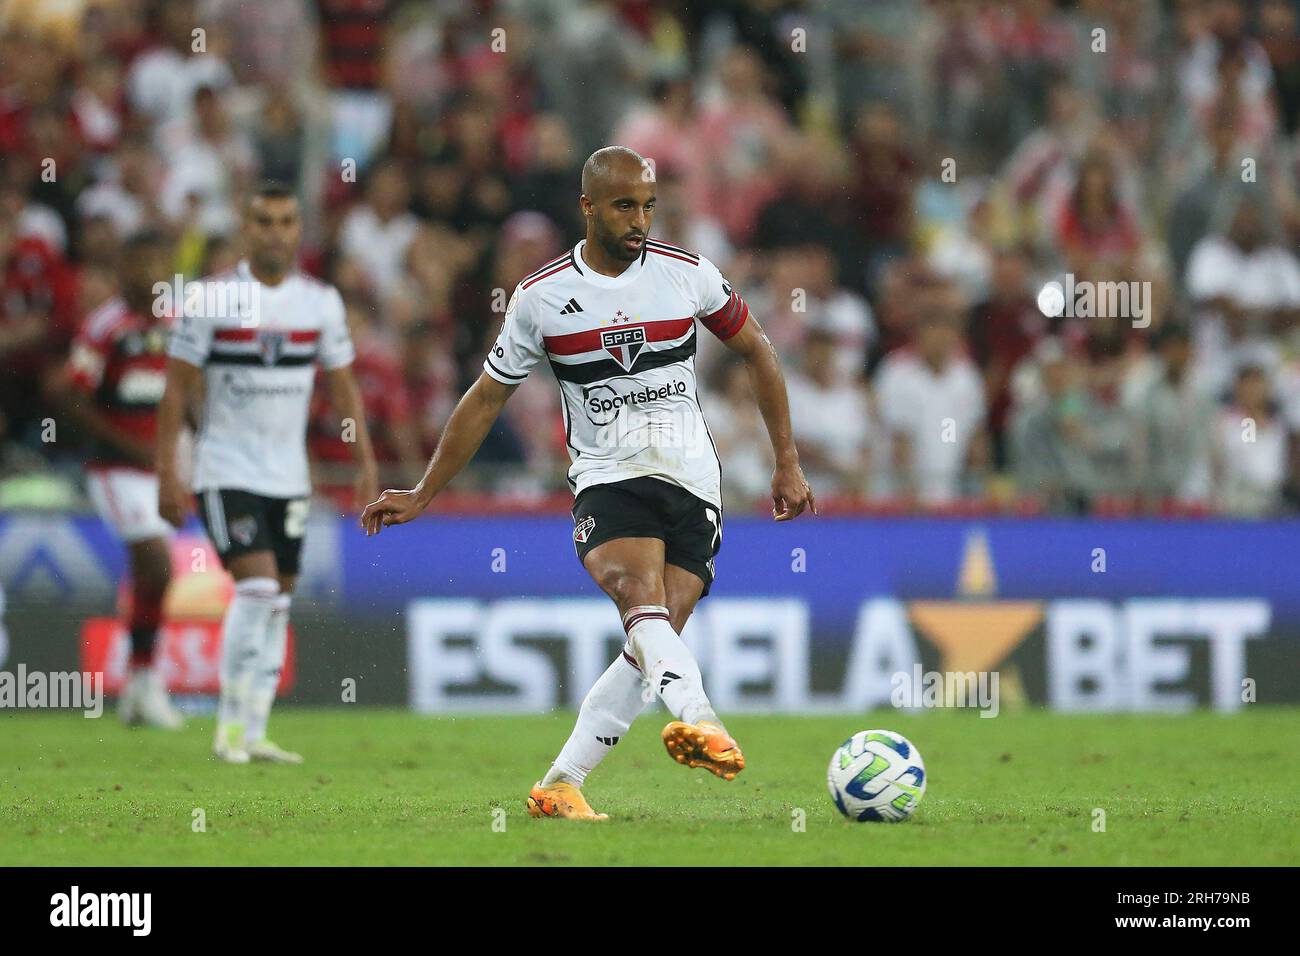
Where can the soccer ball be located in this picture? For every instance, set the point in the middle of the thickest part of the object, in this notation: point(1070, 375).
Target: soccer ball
point(876, 775)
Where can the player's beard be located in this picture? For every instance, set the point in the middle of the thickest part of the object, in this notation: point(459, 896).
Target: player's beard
point(614, 248)
point(271, 264)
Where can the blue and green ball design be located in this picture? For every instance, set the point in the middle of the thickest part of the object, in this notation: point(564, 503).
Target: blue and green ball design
point(876, 776)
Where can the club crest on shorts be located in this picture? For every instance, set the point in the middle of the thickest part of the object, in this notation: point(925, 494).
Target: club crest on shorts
point(583, 531)
point(243, 529)
point(623, 344)
point(271, 345)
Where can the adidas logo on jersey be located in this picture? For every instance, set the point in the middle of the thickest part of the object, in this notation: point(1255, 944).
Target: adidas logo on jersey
point(571, 308)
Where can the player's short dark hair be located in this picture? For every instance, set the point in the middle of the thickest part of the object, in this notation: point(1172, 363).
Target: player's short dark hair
point(273, 189)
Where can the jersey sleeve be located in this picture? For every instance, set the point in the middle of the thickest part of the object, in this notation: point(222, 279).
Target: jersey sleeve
point(336, 350)
point(722, 311)
point(519, 346)
point(191, 335)
point(86, 360)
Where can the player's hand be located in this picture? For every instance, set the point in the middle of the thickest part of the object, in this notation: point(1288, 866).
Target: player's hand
point(174, 502)
point(392, 507)
point(791, 493)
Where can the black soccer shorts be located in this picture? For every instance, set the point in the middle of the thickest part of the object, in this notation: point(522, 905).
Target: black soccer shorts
point(689, 526)
point(240, 522)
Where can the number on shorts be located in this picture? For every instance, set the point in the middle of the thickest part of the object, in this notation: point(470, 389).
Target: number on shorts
point(295, 518)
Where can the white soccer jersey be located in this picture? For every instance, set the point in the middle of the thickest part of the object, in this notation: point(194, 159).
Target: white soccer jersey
point(258, 346)
point(623, 351)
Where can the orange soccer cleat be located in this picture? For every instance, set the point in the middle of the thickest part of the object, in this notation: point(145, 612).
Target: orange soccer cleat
point(704, 745)
point(561, 800)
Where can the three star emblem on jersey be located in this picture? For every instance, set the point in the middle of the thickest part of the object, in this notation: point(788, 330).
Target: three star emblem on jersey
point(623, 344)
point(583, 531)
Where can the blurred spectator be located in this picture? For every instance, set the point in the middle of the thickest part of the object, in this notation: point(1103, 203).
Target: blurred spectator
point(1094, 228)
point(1044, 432)
point(742, 131)
point(1250, 449)
point(1176, 423)
point(931, 405)
point(163, 81)
point(210, 164)
point(378, 232)
point(884, 173)
point(738, 433)
point(1214, 172)
point(831, 414)
point(1004, 329)
point(38, 298)
point(1246, 285)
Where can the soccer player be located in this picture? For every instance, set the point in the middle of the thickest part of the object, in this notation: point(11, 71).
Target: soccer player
point(111, 387)
point(251, 341)
point(616, 319)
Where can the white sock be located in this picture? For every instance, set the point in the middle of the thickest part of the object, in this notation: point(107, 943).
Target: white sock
point(266, 671)
point(243, 632)
point(667, 663)
point(605, 716)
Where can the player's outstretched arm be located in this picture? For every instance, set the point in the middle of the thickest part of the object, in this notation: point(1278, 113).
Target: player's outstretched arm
point(345, 398)
point(469, 424)
point(790, 491)
point(183, 380)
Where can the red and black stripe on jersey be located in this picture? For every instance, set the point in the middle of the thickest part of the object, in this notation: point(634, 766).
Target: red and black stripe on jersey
point(576, 343)
point(264, 348)
point(673, 252)
point(726, 321)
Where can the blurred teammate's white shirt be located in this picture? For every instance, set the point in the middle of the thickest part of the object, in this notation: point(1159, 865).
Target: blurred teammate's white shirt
point(915, 400)
point(259, 378)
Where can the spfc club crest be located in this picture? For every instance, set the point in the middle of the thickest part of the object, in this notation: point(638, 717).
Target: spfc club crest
point(243, 529)
point(583, 531)
point(271, 345)
point(623, 344)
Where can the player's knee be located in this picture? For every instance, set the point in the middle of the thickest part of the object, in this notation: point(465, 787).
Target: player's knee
point(629, 588)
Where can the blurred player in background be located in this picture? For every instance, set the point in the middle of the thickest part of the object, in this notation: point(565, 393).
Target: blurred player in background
point(111, 387)
point(616, 318)
point(255, 363)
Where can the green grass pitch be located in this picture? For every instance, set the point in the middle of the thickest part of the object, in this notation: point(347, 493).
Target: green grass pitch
point(389, 787)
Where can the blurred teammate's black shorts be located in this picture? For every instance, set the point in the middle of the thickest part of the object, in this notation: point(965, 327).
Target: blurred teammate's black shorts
point(689, 526)
point(240, 522)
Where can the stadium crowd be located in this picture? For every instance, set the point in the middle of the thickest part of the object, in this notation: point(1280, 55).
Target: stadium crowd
point(890, 183)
